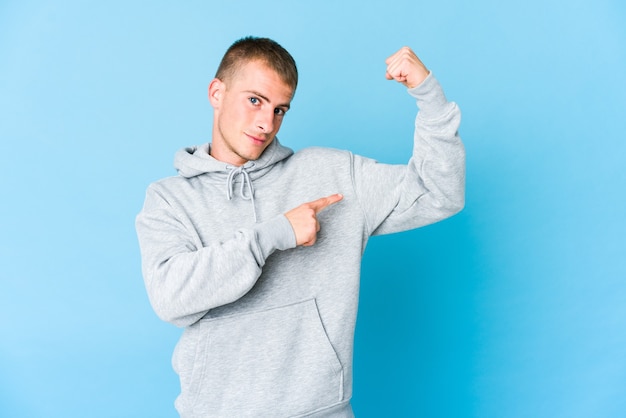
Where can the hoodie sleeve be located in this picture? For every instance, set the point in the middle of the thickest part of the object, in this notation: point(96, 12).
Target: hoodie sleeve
point(431, 187)
point(185, 279)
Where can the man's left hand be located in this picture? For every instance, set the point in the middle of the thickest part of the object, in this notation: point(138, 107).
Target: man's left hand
point(406, 68)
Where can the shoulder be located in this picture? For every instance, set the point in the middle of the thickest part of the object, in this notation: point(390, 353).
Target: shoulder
point(168, 185)
point(321, 154)
point(322, 160)
point(167, 182)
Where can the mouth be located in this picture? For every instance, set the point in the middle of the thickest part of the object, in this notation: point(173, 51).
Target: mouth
point(256, 140)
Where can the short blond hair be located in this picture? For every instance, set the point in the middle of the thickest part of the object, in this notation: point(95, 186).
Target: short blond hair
point(265, 50)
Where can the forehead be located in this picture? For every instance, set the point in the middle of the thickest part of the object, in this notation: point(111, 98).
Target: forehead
point(255, 75)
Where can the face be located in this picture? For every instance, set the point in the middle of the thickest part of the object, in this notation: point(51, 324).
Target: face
point(247, 112)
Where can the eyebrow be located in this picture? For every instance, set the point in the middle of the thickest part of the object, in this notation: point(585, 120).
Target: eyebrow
point(256, 93)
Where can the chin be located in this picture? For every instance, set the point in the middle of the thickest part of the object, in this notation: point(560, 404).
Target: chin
point(256, 155)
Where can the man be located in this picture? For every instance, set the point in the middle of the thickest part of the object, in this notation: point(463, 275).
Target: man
point(256, 250)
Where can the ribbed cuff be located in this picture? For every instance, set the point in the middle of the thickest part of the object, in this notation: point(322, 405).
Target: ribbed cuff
point(275, 234)
point(431, 100)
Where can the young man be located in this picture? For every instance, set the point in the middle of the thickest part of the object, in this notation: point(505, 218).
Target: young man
point(256, 250)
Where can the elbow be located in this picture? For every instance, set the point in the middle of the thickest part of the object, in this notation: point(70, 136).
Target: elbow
point(456, 196)
point(458, 204)
point(167, 307)
point(452, 202)
point(163, 308)
point(451, 207)
point(165, 312)
point(168, 314)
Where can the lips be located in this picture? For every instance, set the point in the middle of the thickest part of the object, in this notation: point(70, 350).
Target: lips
point(256, 140)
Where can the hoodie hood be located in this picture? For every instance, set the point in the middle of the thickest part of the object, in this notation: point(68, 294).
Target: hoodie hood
point(197, 160)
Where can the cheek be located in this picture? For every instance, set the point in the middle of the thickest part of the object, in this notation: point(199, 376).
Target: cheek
point(278, 121)
point(244, 116)
point(234, 113)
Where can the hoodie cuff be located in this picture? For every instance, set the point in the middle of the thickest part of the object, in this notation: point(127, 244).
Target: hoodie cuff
point(431, 100)
point(275, 234)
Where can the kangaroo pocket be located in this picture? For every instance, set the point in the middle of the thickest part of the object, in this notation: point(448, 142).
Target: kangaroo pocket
point(277, 363)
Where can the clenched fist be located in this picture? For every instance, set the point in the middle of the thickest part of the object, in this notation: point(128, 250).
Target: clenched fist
point(406, 68)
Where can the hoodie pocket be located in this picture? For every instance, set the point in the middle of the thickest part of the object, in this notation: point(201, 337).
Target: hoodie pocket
point(277, 363)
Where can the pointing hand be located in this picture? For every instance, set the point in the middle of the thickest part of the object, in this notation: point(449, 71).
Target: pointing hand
point(304, 221)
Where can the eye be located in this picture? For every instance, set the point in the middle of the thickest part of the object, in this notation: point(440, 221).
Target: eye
point(254, 101)
point(280, 112)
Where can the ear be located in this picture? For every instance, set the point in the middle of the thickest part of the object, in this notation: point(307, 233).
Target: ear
point(216, 90)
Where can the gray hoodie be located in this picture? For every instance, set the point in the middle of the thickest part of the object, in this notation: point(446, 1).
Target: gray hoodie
point(269, 327)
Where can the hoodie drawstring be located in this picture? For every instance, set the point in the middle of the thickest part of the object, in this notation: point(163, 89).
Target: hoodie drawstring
point(245, 181)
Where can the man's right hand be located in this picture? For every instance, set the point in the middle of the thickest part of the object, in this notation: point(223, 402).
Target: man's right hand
point(303, 219)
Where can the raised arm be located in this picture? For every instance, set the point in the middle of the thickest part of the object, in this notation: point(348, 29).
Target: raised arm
point(431, 186)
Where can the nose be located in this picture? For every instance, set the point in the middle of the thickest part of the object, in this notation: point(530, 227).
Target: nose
point(265, 120)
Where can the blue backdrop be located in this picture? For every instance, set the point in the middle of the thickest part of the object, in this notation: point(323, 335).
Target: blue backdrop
point(514, 308)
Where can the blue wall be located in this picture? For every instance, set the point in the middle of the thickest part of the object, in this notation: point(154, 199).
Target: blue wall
point(514, 308)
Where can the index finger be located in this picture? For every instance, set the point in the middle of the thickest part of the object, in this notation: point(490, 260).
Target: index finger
point(393, 56)
point(323, 202)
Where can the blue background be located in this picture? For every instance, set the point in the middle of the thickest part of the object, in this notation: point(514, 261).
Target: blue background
point(514, 308)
